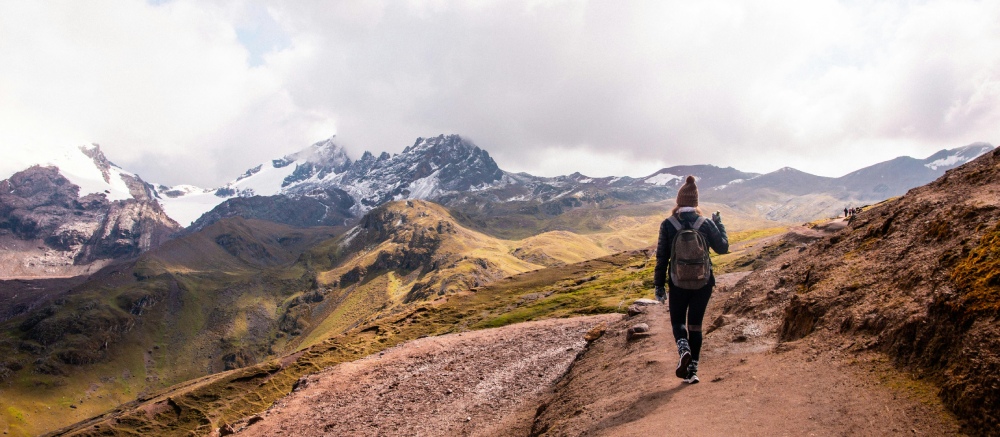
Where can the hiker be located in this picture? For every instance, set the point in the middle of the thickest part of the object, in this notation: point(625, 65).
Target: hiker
point(690, 282)
point(845, 212)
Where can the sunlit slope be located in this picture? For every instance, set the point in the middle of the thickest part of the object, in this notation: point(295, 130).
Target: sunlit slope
point(411, 251)
point(400, 253)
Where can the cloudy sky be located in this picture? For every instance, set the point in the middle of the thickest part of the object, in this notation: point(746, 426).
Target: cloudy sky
point(197, 91)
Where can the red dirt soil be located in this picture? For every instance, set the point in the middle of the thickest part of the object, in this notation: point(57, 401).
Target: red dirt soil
point(514, 381)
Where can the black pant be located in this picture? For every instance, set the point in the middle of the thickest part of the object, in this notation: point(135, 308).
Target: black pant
point(687, 310)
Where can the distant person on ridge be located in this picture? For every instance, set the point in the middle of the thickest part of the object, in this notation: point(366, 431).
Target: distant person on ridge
point(685, 238)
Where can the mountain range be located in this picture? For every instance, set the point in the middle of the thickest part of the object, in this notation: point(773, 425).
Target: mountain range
point(300, 252)
point(80, 211)
point(455, 172)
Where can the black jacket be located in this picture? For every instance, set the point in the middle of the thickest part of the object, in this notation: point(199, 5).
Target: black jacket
point(715, 234)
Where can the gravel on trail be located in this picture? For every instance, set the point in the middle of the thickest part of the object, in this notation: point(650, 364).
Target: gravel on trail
point(458, 384)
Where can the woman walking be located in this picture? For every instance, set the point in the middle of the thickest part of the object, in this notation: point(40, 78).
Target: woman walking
point(682, 250)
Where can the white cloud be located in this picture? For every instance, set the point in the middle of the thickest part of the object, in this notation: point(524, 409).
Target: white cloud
point(166, 89)
point(172, 92)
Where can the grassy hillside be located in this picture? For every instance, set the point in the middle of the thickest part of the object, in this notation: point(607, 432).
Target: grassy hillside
point(193, 306)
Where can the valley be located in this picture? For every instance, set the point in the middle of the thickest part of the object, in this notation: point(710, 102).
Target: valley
point(207, 328)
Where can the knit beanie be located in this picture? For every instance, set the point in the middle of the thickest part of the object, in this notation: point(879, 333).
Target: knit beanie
point(687, 195)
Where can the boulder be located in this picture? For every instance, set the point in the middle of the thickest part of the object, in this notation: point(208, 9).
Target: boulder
point(636, 332)
point(596, 332)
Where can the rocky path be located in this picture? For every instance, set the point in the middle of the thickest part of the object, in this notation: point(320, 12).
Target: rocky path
point(514, 381)
point(459, 384)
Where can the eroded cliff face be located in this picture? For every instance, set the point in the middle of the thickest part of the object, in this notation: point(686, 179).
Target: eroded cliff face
point(47, 229)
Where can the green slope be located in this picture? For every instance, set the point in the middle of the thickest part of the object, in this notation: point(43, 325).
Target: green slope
point(196, 305)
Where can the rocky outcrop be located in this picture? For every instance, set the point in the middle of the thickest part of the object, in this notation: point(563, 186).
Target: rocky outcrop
point(39, 204)
point(428, 169)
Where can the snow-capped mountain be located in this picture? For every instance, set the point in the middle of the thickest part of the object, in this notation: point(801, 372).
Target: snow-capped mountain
point(88, 168)
point(75, 213)
point(447, 169)
point(78, 208)
point(322, 185)
point(453, 171)
point(187, 203)
point(428, 169)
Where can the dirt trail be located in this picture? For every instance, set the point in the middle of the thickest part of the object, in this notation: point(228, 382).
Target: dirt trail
point(458, 384)
point(749, 387)
point(513, 381)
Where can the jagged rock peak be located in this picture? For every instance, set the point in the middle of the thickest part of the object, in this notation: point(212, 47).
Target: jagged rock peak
point(460, 164)
point(318, 160)
point(453, 149)
point(326, 153)
point(442, 143)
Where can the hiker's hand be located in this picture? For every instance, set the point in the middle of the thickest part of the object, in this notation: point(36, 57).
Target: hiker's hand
point(661, 294)
point(717, 217)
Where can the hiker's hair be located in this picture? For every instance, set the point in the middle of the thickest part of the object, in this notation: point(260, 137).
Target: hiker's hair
point(676, 207)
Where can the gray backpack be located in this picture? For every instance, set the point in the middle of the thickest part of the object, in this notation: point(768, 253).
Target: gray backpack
point(690, 264)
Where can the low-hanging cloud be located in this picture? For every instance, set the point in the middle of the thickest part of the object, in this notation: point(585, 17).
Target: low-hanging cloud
point(547, 87)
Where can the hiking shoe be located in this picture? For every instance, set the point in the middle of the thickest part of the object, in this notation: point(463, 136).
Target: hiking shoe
point(691, 378)
point(692, 373)
point(682, 365)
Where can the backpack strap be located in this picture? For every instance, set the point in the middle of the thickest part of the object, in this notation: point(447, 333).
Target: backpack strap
point(698, 223)
point(677, 223)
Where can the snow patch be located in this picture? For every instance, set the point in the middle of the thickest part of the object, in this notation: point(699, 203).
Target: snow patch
point(425, 187)
point(661, 179)
point(564, 193)
point(945, 162)
point(265, 182)
point(81, 170)
point(732, 182)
